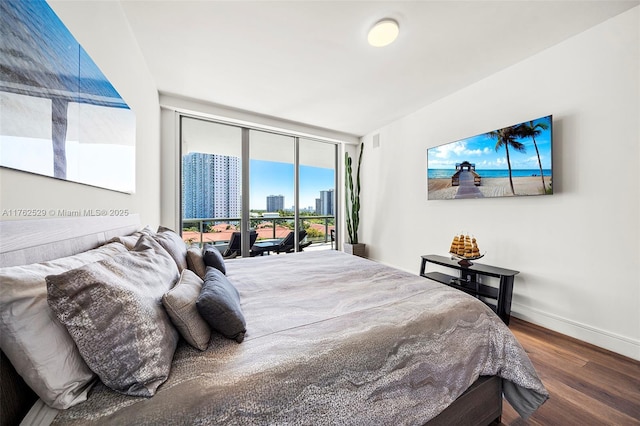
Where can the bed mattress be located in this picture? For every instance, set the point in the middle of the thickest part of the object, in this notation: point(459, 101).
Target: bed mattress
point(331, 339)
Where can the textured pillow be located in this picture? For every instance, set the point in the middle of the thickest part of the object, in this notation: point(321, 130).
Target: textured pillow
point(180, 303)
point(38, 345)
point(113, 311)
point(219, 305)
point(212, 257)
point(195, 261)
point(130, 241)
point(174, 245)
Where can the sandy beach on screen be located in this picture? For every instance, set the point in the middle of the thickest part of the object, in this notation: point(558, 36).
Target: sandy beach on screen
point(441, 189)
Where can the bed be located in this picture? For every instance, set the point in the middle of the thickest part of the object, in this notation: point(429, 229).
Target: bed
point(331, 339)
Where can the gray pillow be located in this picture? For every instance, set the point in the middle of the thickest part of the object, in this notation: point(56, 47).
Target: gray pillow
point(38, 345)
point(130, 241)
point(174, 245)
point(219, 305)
point(195, 261)
point(113, 311)
point(212, 257)
point(180, 303)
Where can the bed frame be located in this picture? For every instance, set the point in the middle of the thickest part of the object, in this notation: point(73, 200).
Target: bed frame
point(39, 240)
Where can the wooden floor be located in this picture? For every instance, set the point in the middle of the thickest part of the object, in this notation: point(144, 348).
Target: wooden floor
point(588, 385)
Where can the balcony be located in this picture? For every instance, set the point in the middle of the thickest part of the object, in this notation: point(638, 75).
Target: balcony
point(218, 231)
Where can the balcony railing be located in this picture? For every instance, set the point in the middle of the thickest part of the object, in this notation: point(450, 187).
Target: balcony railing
point(218, 230)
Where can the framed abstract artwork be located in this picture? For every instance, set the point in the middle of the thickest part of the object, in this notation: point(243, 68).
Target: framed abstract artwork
point(60, 116)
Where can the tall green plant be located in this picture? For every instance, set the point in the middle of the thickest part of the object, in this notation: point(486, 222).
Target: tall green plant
point(352, 197)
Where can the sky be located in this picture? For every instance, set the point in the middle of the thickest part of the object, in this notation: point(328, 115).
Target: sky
point(480, 150)
point(273, 178)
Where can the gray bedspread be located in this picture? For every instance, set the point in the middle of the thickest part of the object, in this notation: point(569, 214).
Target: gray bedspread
point(331, 339)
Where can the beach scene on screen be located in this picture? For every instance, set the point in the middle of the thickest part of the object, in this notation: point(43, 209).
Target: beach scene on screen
point(511, 161)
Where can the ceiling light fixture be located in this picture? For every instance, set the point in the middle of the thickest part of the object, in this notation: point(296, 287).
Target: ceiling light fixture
point(383, 33)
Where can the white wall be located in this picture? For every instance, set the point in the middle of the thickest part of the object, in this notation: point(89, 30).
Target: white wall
point(579, 250)
point(101, 28)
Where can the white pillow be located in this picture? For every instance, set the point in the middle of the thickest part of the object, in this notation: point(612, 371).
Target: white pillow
point(36, 343)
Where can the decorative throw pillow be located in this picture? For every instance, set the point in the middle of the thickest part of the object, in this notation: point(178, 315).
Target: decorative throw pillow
point(113, 311)
point(180, 303)
point(36, 343)
point(130, 241)
point(174, 245)
point(213, 257)
point(195, 261)
point(219, 305)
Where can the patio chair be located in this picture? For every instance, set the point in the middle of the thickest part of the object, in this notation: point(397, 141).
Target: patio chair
point(235, 244)
point(287, 244)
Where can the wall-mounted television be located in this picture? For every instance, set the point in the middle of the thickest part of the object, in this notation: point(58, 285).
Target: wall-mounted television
point(507, 162)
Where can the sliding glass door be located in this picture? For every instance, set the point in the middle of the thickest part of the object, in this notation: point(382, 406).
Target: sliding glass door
point(211, 181)
point(259, 185)
point(272, 184)
point(317, 192)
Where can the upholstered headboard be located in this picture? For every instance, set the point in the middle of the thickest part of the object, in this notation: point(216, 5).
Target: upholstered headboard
point(31, 241)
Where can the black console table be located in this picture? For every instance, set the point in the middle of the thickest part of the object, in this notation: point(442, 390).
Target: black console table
point(468, 282)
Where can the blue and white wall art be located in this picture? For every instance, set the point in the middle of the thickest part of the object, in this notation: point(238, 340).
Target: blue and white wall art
point(59, 115)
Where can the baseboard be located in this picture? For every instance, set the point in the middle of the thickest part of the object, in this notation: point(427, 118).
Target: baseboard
point(611, 341)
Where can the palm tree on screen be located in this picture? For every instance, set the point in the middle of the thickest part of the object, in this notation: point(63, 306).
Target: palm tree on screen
point(530, 130)
point(507, 137)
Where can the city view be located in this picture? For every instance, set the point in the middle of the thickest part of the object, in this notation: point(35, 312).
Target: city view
point(211, 189)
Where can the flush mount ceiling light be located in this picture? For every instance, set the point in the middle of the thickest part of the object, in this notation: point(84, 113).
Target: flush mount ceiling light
point(383, 33)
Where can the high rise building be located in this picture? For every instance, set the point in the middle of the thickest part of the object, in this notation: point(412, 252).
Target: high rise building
point(326, 203)
point(275, 203)
point(211, 186)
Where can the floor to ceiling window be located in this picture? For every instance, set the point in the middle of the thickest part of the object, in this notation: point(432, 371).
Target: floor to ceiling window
point(317, 177)
point(272, 184)
point(240, 183)
point(211, 181)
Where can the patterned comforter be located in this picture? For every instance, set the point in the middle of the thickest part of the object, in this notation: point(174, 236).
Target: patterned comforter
point(331, 339)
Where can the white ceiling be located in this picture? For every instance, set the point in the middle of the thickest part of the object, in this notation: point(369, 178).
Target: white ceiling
point(309, 62)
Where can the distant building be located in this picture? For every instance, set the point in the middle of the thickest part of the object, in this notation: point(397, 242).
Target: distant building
point(318, 206)
point(275, 203)
point(326, 203)
point(211, 186)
